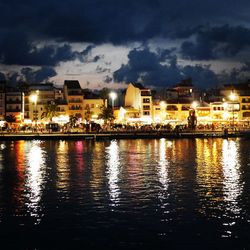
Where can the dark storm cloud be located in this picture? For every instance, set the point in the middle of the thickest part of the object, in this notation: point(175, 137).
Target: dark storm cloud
point(2, 76)
point(29, 75)
point(236, 75)
point(165, 54)
point(145, 66)
point(108, 79)
point(13, 77)
point(16, 48)
point(99, 21)
point(41, 75)
point(217, 42)
point(207, 30)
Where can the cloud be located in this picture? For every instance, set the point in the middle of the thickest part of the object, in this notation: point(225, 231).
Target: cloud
point(36, 76)
point(98, 21)
point(2, 76)
point(108, 79)
point(217, 42)
point(206, 30)
point(24, 52)
point(99, 69)
point(145, 66)
point(29, 75)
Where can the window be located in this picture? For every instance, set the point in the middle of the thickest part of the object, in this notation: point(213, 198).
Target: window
point(146, 107)
point(246, 114)
point(146, 100)
point(172, 107)
point(184, 108)
point(146, 113)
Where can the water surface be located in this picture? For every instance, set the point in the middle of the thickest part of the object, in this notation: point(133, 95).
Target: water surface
point(125, 194)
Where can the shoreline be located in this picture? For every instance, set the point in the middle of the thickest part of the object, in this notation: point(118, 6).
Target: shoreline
point(123, 135)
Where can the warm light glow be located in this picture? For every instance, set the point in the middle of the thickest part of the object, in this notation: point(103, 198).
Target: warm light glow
point(225, 115)
point(34, 98)
point(194, 105)
point(61, 119)
point(2, 123)
point(232, 96)
point(121, 114)
point(27, 121)
point(163, 104)
point(113, 95)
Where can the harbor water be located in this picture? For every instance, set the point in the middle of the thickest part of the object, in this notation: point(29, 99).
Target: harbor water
point(125, 194)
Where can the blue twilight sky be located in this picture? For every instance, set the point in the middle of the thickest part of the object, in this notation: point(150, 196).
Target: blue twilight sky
point(108, 43)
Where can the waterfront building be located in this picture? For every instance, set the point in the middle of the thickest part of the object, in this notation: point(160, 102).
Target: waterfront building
point(203, 112)
point(13, 105)
point(2, 100)
point(139, 98)
point(128, 115)
point(244, 108)
point(239, 107)
point(92, 108)
point(58, 92)
point(218, 111)
point(178, 111)
point(185, 90)
point(38, 96)
point(74, 97)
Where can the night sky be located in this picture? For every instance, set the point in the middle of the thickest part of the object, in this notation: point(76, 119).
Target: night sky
point(108, 43)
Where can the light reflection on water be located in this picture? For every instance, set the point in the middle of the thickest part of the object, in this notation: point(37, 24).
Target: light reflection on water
point(113, 169)
point(232, 187)
point(152, 187)
point(35, 178)
point(62, 166)
point(163, 166)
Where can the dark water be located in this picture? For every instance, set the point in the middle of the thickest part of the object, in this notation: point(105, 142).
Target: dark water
point(125, 194)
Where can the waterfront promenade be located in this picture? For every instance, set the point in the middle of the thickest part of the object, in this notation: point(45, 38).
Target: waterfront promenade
point(123, 135)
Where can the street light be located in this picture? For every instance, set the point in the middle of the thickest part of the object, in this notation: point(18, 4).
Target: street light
point(113, 96)
point(233, 97)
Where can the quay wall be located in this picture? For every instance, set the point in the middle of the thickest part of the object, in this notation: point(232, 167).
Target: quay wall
point(118, 135)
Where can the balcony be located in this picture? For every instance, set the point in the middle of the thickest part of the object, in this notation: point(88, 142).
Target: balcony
point(13, 101)
point(75, 101)
point(145, 93)
point(74, 93)
point(13, 110)
point(75, 108)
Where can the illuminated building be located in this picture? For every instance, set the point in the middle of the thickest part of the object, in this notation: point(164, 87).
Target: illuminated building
point(140, 99)
point(74, 97)
point(92, 108)
point(2, 100)
point(13, 105)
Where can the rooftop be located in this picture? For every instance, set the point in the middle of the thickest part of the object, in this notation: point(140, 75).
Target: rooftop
point(138, 85)
point(72, 84)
